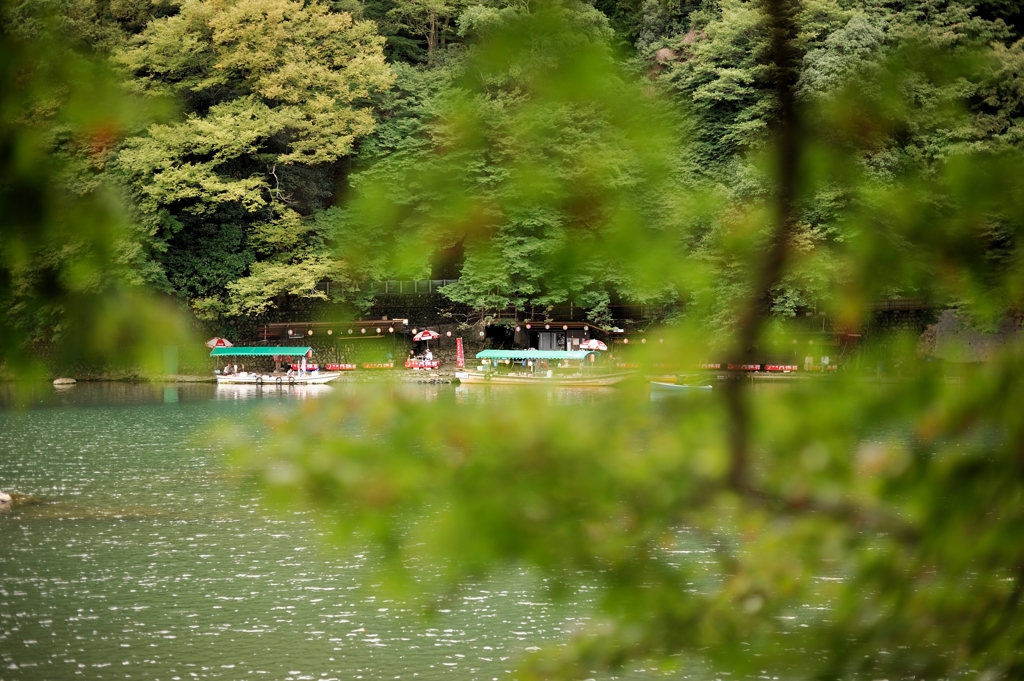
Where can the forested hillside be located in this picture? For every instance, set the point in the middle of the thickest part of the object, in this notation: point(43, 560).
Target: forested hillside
point(289, 143)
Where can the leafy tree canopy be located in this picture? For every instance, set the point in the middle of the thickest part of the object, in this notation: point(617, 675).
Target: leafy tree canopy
point(275, 93)
point(521, 157)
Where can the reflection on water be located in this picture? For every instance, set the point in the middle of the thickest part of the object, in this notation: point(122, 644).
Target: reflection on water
point(133, 557)
point(242, 391)
point(482, 394)
point(106, 393)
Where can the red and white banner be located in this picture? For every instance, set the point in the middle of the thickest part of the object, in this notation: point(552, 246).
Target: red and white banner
point(460, 357)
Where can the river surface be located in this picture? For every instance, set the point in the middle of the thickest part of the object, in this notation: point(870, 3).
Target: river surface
point(133, 556)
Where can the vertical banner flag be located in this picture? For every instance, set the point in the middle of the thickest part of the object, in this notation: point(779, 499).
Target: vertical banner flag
point(460, 357)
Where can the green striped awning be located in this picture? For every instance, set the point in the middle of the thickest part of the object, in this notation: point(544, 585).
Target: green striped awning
point(260, 352)
point(533, 354)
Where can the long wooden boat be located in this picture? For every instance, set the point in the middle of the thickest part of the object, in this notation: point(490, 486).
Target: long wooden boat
point(494, 378)
point(532, 360)
point(278, 354)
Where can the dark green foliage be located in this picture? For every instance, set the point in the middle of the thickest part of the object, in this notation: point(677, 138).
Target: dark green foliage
point(207, 253)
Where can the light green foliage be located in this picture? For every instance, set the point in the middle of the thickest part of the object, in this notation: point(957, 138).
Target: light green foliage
point(881, 534)
point(269, 85)
point(833, 528)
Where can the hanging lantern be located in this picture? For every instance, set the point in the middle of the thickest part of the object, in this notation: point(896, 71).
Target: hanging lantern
point(481, 334)
point(363, 330)
point(448, 333)
point(378, 330)
point(310, 332)
point(414, 332)
point(565, 327)
point(643, 341)
point(517, 329)
point(547, 326)
point(527, 326)
point(330, 332)
point(626, 341)
point(350, 331)
point(391, 329)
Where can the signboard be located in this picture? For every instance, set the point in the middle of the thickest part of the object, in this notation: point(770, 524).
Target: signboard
point(460, 357)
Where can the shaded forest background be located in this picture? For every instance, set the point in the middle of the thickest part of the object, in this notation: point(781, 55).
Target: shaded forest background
point(275, 129)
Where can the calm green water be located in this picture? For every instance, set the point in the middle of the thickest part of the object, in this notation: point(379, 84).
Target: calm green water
point(142, 561)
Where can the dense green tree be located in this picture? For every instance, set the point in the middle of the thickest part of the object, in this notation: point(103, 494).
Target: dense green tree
point(275, 94)
point(458, 131)
point(711, 56)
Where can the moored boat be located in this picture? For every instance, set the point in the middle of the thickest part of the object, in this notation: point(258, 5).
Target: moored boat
point(662, 387)
point(253, 378)
point(277, 378)
point(571, 368)
point(492, 378)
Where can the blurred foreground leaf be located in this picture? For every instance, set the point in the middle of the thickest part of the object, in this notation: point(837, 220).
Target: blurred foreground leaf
point(68, 257)
point(835, 527)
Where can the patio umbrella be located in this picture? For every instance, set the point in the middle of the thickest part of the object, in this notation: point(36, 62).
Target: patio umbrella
point(593, 344)
point(426, 335)
point(217, 342)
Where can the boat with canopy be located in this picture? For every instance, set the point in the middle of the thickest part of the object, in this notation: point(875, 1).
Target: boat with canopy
point(307, 373)
point(540, 367)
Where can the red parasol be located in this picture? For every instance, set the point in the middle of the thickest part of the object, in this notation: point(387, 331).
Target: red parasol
point(426, 335)
point(217, 342)
point(593, 344)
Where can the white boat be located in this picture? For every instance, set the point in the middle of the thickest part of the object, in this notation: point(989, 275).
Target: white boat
point(268, 380)
point(659, 386)
point(535, 369)
point(278, 354)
